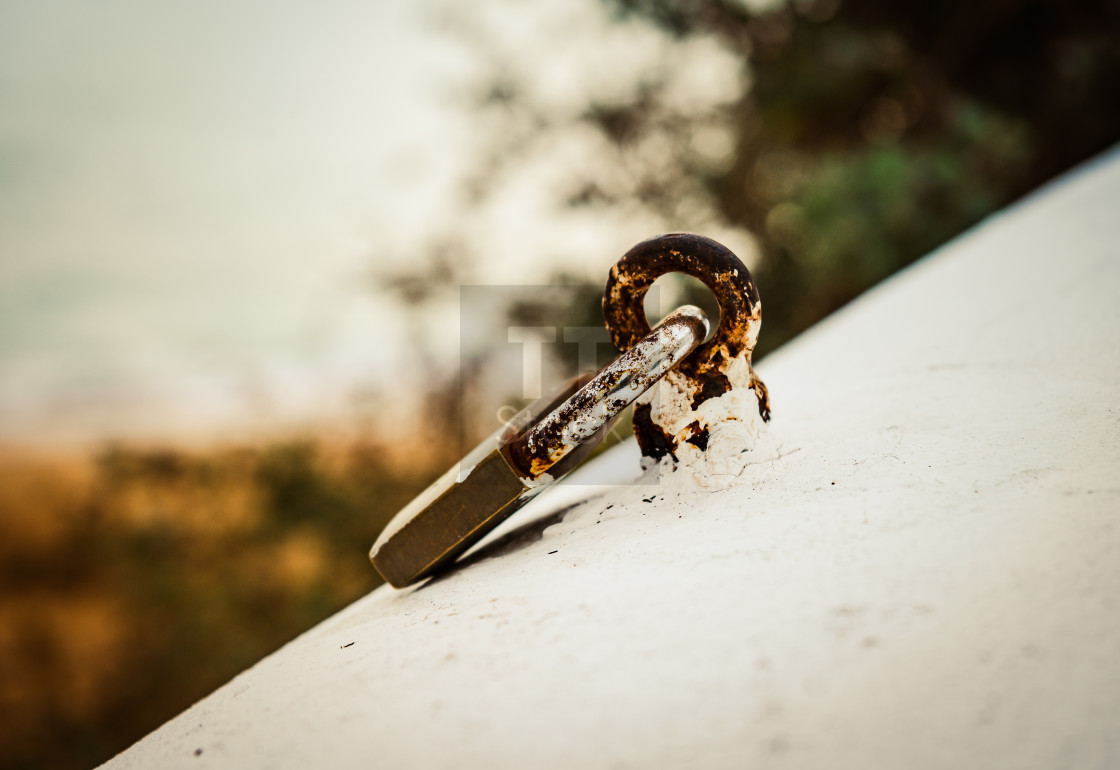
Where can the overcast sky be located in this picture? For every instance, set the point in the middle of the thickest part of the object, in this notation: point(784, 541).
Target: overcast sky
point(189, 198)
point(193, 195)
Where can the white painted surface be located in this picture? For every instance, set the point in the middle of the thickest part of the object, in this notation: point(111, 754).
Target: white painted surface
point(927, 577)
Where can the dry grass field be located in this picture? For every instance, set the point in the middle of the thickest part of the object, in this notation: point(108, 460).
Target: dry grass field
point(134, 581)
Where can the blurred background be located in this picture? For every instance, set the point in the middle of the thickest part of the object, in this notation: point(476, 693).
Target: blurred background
point(233, 236)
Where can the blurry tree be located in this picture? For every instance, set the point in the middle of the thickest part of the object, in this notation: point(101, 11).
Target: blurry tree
point(133, 584)
point(857, 135)
point(873, 131)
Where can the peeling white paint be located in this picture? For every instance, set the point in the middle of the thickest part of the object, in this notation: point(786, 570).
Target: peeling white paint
point(732, 420)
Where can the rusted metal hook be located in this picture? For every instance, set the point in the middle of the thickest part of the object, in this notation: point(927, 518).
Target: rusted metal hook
point(717, 365)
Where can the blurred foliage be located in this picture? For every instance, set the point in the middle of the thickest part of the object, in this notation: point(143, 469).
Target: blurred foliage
point(134, 583)
point(871, 132)
point(859, 136)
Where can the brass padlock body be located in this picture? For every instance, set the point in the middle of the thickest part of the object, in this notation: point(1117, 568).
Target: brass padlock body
point(462, 506)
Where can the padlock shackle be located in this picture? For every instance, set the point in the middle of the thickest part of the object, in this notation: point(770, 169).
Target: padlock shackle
point(613, 389)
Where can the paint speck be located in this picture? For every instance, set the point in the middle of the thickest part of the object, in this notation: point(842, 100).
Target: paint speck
point(554, 552)
point(198, 752)
point(343, 647)
point(777, 745)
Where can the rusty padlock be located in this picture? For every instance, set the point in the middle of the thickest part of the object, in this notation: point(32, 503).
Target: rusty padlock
point(543, 443)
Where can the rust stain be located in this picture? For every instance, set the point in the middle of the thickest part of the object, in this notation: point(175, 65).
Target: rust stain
point(652, 438)
point(699, 435)
point(537, 449)
point(713, 264)
point(706, 368)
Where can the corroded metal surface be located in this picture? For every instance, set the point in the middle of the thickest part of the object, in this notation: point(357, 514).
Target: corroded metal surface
point(546, 441)
point(612, 390)
point(717, 366)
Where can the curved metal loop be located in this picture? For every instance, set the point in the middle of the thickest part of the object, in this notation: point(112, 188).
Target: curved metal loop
point(614, 388)
point(712, 263)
